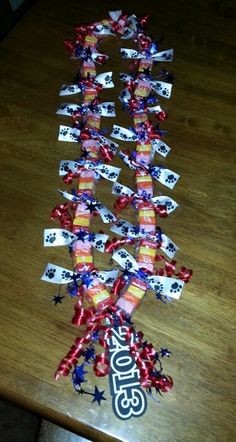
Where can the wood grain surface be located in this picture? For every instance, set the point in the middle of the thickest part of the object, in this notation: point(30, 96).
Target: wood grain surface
point(199, 329)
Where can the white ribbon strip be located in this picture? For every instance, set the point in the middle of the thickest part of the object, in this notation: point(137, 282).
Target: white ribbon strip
point(60, 275)
point(112, 145)
point(160, 147)
point(108, 277)
point(159, 56)
point(169, 287)
point(124, 228)
point(162, 88)
point(57, 275)
point(106, 215)
point(120, 133)
point(165, 176)
point(171, 205)
point(69, 134)
point(111, 173)
point(125, 260)
point(105, 79)
point(106, 109)
point(165, 286)
point(61, 237)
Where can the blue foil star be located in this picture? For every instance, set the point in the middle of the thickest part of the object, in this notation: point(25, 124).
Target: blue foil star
point(98, 396)
point(78, 375)
point(57, 299)
point(89, 354)
point(165, 352)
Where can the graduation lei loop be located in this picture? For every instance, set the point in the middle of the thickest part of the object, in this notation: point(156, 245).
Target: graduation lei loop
point(105, 301)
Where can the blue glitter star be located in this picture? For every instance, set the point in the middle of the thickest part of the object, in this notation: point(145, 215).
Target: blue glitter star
point(78, 375)
point(89, 353)
point(165, 352)
point(98, 396)
point(57, 299)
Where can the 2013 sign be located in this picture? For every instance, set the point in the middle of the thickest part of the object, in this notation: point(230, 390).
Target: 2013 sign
point(128, 398)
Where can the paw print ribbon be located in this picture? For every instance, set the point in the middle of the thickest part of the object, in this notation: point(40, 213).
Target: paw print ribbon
point(104, 80)
point(161, 88)
point(160, 173)
point(105, 109)
point(161, 285)
point(93, 205)
point(60, 275)
point(110, 173)
point(61, 237)
point(131, 197)
point(124, 228)
point(156, 56)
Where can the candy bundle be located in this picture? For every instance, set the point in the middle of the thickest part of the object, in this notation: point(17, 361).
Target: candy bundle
point(106, 300)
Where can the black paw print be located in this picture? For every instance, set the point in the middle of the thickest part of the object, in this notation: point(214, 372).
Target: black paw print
point(112, 175)
point(65, 274)
point(113, 147)
point(167, 56)
point(122, 77)
point(65, 167)
point(124, 230)
point(118, 189)
point(123, 54)
point(171, 178)
point(50, 273)
point(156, 173)
point(51, 237)
point(158, 287)
point(165, 92)
point(175, 288)
point(169, 205)
point(69, 110)
point(162, 149)
point(99, 244)
point(128, 265)
point(71, 89)
point(107, 79)
point(109, 281)
point(109, 217)
point(171, 247)
point(65, 235)
point(110, 109)
point(64, 132)
point(104, 169)
point(158, 86)
point(122, 254)
point(73, 136)
point(116, 130)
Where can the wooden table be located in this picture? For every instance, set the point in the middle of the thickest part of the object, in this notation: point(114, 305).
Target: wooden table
point(35, 334)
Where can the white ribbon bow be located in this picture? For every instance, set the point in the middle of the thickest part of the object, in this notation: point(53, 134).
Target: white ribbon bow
point(61, 237)
point(162, 285)
point(169, 203)
point(60, 275)
point(105, 79)
point(111, 173)
point(124, 228)
point(105, 109)
point(106, 215)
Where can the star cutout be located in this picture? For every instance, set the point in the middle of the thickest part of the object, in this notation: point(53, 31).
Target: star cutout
point(78, 375)
point(165, 352)
point(81, 235)
point(89, 353)
point(91, 207)
point(57, 299)
point(98, 396)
